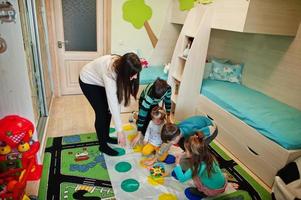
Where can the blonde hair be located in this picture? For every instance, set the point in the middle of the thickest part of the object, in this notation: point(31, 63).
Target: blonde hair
point(158, 113)
point(200, 152)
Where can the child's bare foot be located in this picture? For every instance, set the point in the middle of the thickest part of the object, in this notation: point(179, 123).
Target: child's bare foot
point(234, 185)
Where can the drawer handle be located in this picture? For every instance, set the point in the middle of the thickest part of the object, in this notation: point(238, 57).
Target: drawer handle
point(254, 152)
point(209, 117)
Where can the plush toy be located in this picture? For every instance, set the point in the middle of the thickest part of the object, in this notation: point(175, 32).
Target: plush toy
point(18, 161)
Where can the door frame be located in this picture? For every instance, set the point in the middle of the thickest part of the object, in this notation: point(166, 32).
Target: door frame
point(52, 30)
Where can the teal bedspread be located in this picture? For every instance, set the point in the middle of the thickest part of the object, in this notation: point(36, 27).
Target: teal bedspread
point(273, 119)
point(150, 74)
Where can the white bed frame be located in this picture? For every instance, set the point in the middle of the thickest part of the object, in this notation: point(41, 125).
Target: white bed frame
point(258, 153)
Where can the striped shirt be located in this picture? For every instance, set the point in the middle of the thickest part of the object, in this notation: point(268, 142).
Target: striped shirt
point(148, 101)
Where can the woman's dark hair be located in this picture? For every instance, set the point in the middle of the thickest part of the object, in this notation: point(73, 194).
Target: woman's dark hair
point(169, 132)
point(199, 152)
point(160, 87)
point(125, 67)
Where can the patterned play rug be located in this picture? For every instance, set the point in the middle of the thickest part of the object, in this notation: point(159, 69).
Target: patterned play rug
point(74, 169)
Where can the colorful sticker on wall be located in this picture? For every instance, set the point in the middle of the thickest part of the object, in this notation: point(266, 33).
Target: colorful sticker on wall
point(188, 4)
point(3, 45)
point(138, 13)
point(7, 12)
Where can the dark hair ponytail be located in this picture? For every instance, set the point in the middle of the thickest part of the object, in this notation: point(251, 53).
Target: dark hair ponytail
point(125, 67)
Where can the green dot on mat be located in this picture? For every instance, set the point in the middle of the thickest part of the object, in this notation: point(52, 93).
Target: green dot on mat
point(130, 185)
point(112, 130)
point(120, 151)
point(123, 167)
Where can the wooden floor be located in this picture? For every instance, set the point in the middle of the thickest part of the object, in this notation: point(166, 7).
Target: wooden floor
point(74, 115)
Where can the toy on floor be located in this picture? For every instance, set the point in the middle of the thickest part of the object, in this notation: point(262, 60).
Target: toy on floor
point(18, 162)
point(81, 156)
point(157, 171)
point(134, 117)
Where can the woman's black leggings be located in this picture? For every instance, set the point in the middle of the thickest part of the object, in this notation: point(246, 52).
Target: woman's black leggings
point(96, 95)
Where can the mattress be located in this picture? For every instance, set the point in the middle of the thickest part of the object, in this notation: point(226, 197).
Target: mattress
point(150, 74)
point(275, 120)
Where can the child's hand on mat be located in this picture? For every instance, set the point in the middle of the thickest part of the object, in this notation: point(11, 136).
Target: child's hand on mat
point(136, 139)
point(121, 139)
point(150, 162)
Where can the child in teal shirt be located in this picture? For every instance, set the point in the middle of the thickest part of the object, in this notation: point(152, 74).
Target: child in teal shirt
point(207, 176)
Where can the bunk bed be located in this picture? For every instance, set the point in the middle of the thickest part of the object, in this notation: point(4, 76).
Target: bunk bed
point(259, 130)
point(253, 140)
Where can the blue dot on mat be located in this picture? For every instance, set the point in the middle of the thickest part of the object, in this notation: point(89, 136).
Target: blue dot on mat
point(170, 159)
point(190, 195)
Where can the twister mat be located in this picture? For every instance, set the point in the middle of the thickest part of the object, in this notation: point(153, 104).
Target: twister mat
point(75, 169)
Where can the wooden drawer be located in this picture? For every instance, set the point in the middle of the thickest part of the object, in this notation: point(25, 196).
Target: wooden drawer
point(257, 163)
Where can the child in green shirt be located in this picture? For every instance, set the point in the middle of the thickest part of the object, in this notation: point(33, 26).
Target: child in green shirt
point(207, 176)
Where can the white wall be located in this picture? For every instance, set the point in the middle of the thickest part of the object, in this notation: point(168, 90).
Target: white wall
point(127, 38)
point(15, 93)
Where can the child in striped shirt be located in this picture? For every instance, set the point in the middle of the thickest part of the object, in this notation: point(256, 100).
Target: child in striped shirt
point(151, 96)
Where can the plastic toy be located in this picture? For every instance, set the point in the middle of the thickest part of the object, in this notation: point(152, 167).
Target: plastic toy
point(81, 156)
point(18, 162)
point(157, 171)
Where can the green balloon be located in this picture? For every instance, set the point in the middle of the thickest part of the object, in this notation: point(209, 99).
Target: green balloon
point(130, 185)
point(120, 151)
point(123, 167)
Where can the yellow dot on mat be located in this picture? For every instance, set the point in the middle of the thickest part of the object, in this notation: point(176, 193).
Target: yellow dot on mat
point(131, 136)
point(138, 148)
point(167, 196)
point(155, 181)
point(128, 127)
